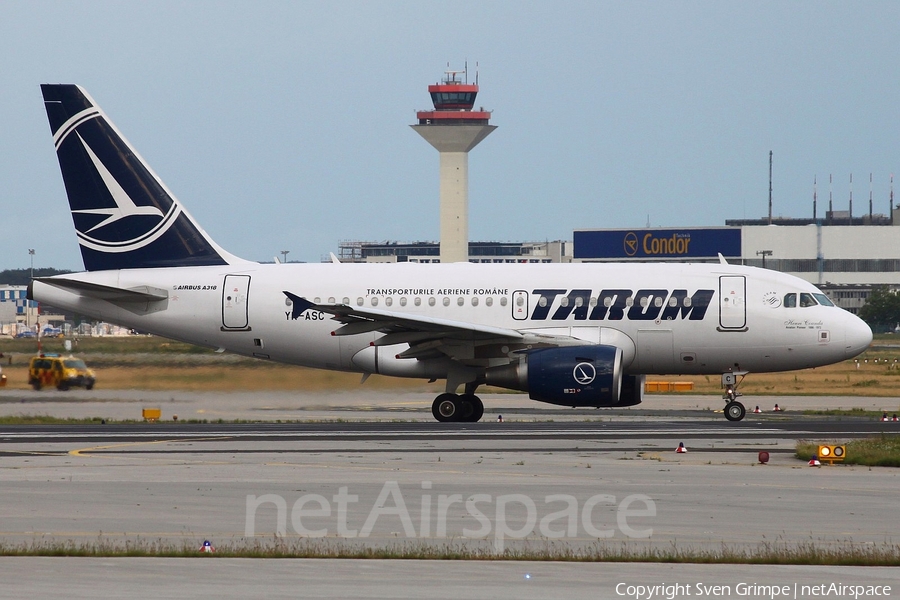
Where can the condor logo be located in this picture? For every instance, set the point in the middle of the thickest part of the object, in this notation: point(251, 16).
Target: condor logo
point(631, 243)
point(618, 304)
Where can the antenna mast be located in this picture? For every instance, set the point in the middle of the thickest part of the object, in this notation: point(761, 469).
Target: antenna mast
point(770, 187)
point(851, 199)
point(870, 198)
point(814, 197)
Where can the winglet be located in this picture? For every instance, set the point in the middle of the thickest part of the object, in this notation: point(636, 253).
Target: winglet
point(722, 260)
point(335, 259)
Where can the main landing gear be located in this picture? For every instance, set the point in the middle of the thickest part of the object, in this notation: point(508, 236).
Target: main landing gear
point(734, 410)
point(459, 408)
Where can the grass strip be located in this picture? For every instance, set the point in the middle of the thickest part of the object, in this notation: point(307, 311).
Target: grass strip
point(881, 451)
point(776, 553)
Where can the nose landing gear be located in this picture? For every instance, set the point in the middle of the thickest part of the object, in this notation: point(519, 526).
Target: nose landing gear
point(734, 410)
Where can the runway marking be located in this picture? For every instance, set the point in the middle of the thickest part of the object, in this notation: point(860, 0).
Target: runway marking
point(87, 451)
point(171, 437)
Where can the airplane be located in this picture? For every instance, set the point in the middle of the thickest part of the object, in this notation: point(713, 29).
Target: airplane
point(579, 335)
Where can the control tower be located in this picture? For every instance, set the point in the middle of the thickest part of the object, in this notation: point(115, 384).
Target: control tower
point(454, 128)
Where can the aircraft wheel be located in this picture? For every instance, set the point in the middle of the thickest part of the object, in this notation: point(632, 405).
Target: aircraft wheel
point(735, 411)
point(446, 408)
point(473, 408)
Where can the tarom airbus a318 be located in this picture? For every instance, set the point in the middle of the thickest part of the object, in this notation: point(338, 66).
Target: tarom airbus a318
point(580, 335)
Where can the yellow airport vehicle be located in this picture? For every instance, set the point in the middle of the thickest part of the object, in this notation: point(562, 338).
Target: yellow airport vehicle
point(59, 372)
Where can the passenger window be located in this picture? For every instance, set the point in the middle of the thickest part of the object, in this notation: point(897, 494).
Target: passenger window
point(790, 300)
point(807, 300)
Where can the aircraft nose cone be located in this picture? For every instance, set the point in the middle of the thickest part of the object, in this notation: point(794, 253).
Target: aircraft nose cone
point(858, 337)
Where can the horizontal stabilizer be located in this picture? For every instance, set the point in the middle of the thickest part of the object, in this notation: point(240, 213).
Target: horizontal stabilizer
point(112, 294)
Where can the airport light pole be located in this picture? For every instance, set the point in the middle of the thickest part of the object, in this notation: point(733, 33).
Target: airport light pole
point(764, 254)
point(28, 302)
point(284, 254)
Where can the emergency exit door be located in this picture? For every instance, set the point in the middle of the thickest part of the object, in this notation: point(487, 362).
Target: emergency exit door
point(520, 305)
point(235, 307)
point(732, 302)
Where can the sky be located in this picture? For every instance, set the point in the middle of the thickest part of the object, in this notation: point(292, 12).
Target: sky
point(285, 125)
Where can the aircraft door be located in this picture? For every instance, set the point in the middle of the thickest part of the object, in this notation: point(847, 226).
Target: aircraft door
point(732, 302)
point(520, 305)
point(235, 307)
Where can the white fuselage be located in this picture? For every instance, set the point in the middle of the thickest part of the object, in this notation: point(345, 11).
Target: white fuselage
point(243, 309)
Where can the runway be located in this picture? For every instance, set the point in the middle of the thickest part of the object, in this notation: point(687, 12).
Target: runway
point(564, 481)
point(714, 436)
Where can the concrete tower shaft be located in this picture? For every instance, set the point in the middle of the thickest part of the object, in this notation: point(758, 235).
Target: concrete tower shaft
point(453, 128)
point(454, 142)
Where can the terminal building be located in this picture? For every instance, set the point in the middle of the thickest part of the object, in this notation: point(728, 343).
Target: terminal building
point(844, 257)
point(479, 252)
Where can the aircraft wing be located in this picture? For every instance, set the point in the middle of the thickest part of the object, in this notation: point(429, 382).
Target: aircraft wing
point(429, 336)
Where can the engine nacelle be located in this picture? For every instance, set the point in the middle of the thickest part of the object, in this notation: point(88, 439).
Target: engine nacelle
point(571, 376)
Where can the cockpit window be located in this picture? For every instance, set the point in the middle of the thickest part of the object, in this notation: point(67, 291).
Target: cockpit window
point(807, 300)
point(823, 300)
point(790, 300)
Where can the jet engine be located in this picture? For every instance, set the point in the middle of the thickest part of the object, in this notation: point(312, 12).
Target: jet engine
point(576, 376)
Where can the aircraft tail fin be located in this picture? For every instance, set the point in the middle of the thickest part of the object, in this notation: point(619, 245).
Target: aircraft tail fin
point(124, 215)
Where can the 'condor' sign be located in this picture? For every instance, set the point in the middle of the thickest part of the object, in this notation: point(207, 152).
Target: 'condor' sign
point(658, 243)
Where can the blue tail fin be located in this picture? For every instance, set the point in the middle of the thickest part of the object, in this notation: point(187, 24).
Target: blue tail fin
point(124, 215)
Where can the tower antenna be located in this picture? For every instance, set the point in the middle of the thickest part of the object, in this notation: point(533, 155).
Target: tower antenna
point(851, 199)
point(770, 187)
point(830, 205)
point(814, 198)
point(870, 198)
